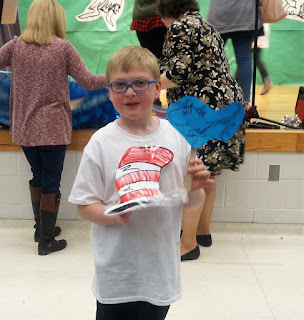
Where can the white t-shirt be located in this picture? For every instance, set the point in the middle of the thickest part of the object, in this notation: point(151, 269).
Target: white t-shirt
point(140, 260)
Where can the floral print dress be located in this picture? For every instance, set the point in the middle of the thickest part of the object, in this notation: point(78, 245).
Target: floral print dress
point(195, 60)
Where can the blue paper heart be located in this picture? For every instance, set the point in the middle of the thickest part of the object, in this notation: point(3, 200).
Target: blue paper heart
point(199, 123)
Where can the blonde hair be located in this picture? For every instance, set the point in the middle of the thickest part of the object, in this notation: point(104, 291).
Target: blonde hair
point(45, 19)
point(130, 57)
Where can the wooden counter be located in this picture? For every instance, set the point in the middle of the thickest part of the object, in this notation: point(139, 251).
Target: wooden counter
point(257, 140)
point(279, 101)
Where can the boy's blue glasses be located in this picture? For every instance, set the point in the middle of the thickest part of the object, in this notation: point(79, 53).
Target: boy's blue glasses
point(136, 85)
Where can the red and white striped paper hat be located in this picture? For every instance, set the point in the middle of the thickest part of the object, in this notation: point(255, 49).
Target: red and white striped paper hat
point(137, 177)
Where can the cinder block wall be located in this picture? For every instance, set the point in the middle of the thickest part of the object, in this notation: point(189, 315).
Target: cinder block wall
point(248, 196)
point(244, 196)
point(14, 192)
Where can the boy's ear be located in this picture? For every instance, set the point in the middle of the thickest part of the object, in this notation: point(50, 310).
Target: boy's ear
point(110, 94)
point(158, 89)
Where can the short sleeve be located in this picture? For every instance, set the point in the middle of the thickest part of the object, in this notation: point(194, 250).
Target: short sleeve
point(88, 187)
point(178, 53)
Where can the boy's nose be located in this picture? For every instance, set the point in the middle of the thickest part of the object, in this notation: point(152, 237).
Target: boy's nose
point(130, 91)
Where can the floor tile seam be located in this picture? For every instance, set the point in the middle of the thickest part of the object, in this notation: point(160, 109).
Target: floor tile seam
point(216, 237)
point(258, 281)
point(258, 236)
point(248, 227)
point(221, 230)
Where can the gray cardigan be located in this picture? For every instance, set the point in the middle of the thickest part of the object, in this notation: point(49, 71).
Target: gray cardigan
point(232, 15)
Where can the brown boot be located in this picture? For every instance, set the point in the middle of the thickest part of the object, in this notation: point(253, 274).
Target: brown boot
point(49, 206)
point(36, 197)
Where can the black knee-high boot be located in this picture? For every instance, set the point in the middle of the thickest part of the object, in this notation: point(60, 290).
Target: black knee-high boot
point(36, 197)
point(49, 206)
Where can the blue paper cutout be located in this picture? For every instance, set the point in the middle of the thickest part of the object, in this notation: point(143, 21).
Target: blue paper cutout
point(5, 87)
point(199, 123)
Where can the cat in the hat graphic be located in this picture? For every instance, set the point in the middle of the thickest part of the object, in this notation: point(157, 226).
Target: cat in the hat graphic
point(137, 178)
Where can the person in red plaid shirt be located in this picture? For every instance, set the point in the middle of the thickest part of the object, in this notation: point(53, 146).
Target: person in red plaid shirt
point(151, 33)
point(148, 25)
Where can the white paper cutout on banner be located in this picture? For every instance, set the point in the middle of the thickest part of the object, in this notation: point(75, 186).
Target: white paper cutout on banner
point(109, 10)
point(294, 9)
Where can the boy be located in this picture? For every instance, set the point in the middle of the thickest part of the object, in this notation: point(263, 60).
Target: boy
point(137, 256)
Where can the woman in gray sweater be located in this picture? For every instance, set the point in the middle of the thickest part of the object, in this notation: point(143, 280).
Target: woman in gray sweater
point(40, 114)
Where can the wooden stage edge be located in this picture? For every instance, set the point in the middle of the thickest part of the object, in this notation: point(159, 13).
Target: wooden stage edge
point(257, 140)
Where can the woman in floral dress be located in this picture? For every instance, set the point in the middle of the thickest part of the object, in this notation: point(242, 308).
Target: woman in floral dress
point(194, 63)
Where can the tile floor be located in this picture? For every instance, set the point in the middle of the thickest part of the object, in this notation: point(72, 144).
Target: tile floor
point(249, 273)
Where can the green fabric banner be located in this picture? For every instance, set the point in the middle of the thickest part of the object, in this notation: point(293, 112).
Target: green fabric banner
point(98, 28)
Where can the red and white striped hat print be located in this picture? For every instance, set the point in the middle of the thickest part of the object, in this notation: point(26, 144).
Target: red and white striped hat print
point(138, 175)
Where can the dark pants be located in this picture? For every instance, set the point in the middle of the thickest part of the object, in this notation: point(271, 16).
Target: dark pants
point(131, 311)
point(153, 40)
point(260, 65)
point(46, 165)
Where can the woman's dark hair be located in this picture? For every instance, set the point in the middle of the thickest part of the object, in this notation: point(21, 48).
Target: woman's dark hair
point(176, 8)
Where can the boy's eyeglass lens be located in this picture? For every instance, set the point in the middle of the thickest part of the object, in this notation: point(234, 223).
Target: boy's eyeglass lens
point(136, 85)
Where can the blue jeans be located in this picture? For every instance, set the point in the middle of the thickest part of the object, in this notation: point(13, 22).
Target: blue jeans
point(46, 165)
point(242, 50)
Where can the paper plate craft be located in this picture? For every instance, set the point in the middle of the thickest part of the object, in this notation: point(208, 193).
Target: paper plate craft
point(199, 123)
point(137, 178)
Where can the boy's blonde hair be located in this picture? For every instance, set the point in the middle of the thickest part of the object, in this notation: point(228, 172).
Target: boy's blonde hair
point(130, 57)
point(45, 19)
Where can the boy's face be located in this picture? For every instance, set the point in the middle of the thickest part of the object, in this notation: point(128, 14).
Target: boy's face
point(134, 105)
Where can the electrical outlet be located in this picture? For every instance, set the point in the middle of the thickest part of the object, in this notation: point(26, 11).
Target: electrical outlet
point(274, 172)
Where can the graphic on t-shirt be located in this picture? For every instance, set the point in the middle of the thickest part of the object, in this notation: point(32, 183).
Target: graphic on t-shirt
point(137, 178)
point(109, 10)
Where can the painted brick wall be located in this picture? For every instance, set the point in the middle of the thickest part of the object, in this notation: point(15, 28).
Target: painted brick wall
point(248, 196)
point(14, 192)
point(244, 196)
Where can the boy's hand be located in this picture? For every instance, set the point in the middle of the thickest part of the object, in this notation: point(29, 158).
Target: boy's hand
point(125, 217)
point(119, 219)
point(94, 213)
point(201, 176)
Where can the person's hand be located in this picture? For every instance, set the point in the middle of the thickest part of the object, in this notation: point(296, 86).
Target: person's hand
point(116, 220)
point(125, 217)
point(94, 213)
point(201, 176)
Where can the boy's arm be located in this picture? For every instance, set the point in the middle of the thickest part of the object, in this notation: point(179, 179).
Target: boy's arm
point(94, 213)
point(201, 178)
